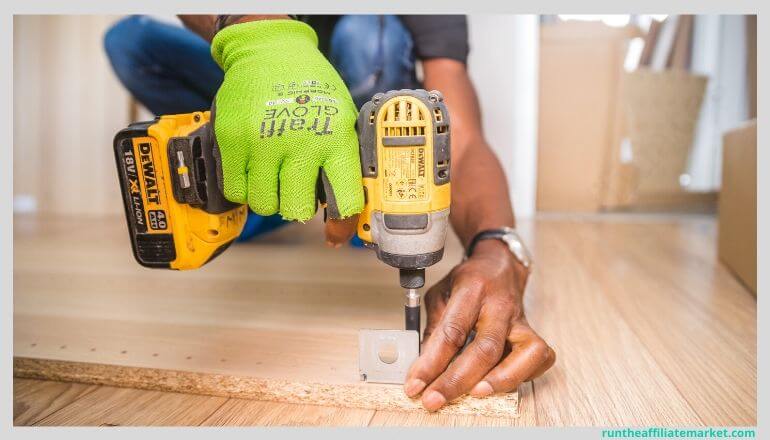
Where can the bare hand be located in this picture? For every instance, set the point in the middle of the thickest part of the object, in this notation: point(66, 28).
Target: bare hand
point(339, 232)
point(484, 294)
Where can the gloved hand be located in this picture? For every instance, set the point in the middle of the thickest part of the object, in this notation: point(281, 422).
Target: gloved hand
point(281, 115)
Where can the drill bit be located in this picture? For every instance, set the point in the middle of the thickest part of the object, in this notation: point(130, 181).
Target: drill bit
point(412, 310)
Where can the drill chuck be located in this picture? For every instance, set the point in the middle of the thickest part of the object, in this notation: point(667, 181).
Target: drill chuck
point(411, 278)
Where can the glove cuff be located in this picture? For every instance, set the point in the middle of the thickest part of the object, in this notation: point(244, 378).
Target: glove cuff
point(239, 40)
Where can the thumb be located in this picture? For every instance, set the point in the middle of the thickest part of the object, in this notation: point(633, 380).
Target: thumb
point(343, 183)
point(339, 231)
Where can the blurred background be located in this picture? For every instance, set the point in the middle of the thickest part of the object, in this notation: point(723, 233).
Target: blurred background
point(587, 113)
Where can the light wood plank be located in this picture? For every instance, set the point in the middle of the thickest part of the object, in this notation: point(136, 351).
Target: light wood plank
point(603, 374)
point(696, 320)
point(240, 412)
point(109, 406)
point(33, 400)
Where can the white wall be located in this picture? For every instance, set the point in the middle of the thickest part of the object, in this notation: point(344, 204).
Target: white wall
point(503, 64)
point(67, 106)
point(719, 52)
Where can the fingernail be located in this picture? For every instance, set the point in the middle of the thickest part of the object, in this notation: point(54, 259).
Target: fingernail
point(413, 387)
point(329, 243)
point(482, 389)
point(433, 400)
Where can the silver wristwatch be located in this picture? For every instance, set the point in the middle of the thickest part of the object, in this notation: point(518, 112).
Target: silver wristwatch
point(511, 238)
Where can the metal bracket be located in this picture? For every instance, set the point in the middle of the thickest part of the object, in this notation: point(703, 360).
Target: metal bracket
point(384, 356)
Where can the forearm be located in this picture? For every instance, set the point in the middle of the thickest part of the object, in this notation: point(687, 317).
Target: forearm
point(480, 198)
point(205, 25)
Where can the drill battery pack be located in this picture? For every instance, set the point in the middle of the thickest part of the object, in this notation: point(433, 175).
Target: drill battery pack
point(169, 177)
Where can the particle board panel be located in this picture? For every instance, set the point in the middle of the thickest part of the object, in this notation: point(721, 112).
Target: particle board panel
point(110, 406)
point(34, 400)
point(275, 320)
point(527, 416)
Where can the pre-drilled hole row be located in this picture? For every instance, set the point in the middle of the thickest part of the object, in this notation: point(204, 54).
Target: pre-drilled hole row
point(93, 349)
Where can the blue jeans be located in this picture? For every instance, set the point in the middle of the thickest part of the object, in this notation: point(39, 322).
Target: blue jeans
point(169, 69)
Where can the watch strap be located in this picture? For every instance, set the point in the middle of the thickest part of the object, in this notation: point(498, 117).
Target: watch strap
point(484, 235)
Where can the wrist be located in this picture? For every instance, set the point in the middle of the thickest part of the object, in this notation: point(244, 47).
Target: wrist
point(506, 248)
point(492, 248)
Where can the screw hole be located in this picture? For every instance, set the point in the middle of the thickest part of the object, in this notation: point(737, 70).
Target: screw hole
point(63, 347)
point(442, 174)
point(197, 118)
point(123, 352)
point(34, 344)
point(188, 357)
point(367, 227)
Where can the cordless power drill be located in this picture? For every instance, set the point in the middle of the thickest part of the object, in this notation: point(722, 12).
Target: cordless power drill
point(178, 218)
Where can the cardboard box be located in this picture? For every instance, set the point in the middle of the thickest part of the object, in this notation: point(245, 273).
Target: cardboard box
point(581, 64)
point(738, 204)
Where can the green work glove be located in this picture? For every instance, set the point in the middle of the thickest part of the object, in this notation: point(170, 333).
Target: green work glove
point(282, 115)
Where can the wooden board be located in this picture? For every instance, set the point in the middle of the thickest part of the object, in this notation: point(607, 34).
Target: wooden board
point(648, 327)
point(241, 412)
point(238, 327)
point(34, 400)
point(109, 406)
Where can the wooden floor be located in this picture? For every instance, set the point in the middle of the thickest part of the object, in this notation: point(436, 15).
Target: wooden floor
point(649, 329)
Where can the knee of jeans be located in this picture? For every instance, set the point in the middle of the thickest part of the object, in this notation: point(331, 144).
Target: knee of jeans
point(367, 45)
point(126, 40)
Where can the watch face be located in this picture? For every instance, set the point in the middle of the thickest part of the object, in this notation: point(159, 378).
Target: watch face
point(517, 247)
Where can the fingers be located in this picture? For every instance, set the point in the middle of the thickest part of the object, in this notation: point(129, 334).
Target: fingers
point(234, 161)
point(345, 197)
point(339, 231)
point(435, 304)
point(474, 362)
point(448, 337)
point(298, 178)
point(528, 359)
point(263, 186)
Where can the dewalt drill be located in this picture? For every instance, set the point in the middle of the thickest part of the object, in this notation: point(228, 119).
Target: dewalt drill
point(404, 143)
point(170, 177)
